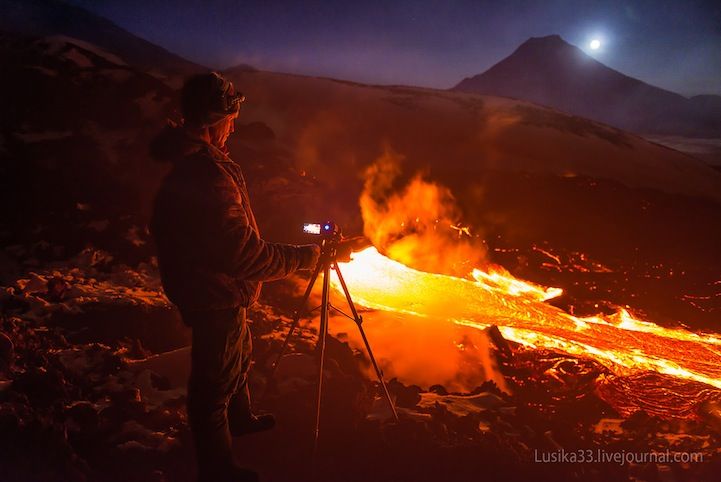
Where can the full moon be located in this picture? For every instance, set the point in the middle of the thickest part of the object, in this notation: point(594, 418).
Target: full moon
point(595, 44)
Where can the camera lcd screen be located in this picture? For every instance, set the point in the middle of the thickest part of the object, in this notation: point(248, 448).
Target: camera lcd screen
point(311, 228)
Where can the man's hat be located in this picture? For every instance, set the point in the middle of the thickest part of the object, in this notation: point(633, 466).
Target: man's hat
point(206, 99)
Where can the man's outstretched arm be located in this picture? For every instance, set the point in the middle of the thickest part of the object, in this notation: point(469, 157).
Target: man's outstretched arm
point(249, 257)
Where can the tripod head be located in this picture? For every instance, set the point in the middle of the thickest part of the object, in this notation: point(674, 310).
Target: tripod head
point(331, 236)
point(333, 246)
point(327, 230)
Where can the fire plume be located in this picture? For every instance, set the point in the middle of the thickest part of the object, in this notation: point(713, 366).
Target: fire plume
point(430, 297)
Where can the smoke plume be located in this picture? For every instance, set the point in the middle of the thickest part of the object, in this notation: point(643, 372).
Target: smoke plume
point(417, 224)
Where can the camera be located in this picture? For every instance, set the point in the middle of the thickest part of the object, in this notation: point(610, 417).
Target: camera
point(327, 230)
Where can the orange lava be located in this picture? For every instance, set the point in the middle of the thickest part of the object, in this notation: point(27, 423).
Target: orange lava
point(620, 342)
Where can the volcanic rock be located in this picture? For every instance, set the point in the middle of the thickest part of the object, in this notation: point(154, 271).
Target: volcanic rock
point(710, 411)
point(462, 405)
point(57, 287)
point(405, 396)
point(82, 416)
point(501, 343)
point(7, 351)
point(43, 386)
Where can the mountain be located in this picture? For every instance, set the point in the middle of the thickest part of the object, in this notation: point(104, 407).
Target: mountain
point(44, 18)
point(78, 118)
point(550, 71)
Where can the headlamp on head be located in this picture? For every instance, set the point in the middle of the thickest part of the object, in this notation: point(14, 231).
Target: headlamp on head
point(207, 99)
point(230, 98)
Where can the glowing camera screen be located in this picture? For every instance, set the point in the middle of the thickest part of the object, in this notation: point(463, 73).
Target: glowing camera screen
point(311, 228)
point(321, 229)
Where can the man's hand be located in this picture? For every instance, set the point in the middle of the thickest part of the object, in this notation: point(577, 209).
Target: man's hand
point(347, 246)
point(310, 253)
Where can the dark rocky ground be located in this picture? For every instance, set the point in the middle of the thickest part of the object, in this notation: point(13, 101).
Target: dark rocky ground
point(83, 397)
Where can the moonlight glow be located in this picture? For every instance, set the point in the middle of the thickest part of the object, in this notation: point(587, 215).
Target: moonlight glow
point(595, 44)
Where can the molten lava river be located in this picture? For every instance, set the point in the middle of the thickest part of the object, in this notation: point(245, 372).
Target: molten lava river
point(669, 369)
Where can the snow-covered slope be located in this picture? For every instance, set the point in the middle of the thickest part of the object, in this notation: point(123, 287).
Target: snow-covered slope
point(332, 125)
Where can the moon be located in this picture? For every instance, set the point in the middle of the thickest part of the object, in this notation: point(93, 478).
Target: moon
point(595, 44)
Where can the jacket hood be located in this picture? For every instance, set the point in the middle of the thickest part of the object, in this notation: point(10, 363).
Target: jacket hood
point(172, 144)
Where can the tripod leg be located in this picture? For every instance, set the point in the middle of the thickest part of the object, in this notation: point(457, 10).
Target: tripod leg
point(296, 318)
point(359, 321)
point(322, 334)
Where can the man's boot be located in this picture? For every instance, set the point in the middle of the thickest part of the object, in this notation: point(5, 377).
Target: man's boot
point(228, 472)
point(216, 462)
point(250, 424)
point(241, 420)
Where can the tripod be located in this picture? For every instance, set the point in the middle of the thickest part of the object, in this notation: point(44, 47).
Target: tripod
point(326, 263)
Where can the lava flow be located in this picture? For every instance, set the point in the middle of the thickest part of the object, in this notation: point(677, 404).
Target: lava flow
point(623, 344)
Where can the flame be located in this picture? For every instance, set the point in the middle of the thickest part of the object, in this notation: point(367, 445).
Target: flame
point(620, 342)
point(431, 312)
point(417, 224)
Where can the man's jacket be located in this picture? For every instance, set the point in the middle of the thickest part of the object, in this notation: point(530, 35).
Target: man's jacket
point(210, 252)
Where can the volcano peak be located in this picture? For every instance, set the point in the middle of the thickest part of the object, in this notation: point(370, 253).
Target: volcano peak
point(550, 71)
point(553, 40)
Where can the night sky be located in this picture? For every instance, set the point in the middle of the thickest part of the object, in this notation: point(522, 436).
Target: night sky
point(672, 44)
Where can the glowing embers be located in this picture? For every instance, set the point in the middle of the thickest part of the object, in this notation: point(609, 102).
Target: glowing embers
point(620, 342)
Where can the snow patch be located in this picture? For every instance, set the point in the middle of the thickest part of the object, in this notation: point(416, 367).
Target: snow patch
point(462, 405)
point(78, 58)
point(57, 42)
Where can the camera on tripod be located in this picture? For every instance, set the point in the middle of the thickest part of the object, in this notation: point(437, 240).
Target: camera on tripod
point(327, 230)
point(334, 249)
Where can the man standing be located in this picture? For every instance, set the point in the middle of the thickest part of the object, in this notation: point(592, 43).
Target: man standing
point(212, 263)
